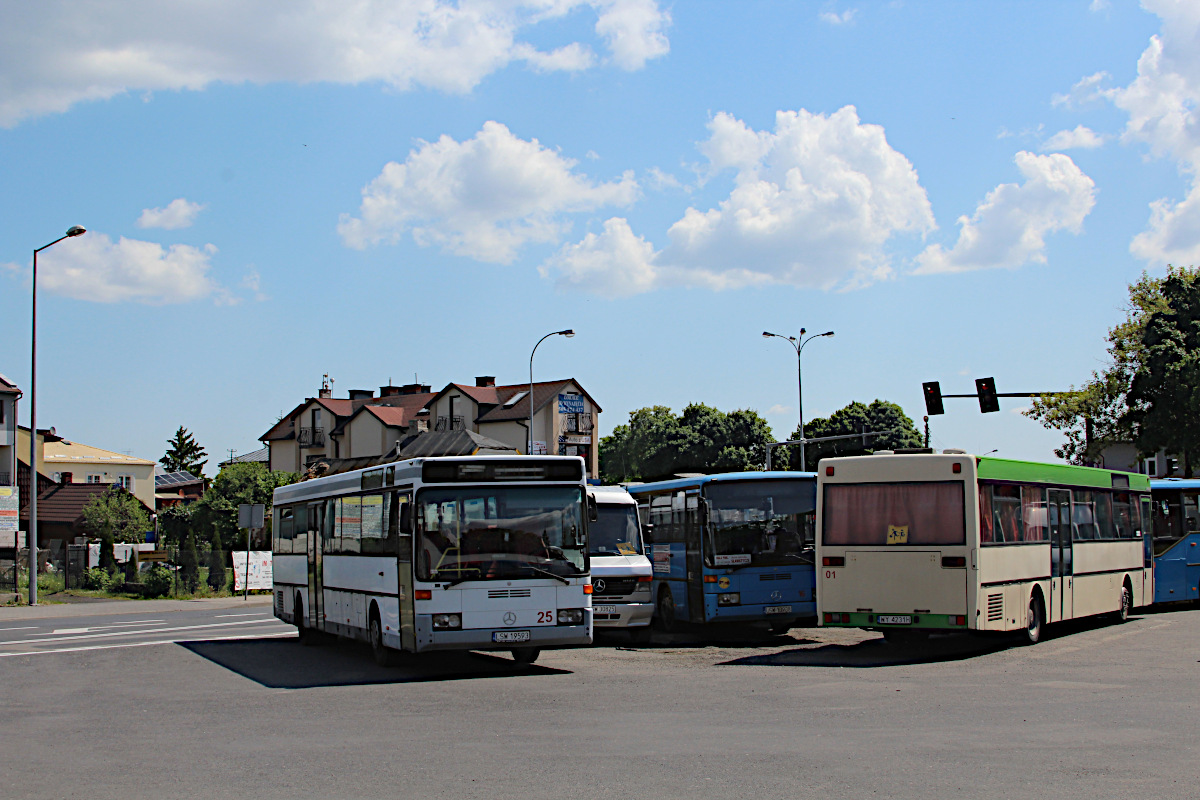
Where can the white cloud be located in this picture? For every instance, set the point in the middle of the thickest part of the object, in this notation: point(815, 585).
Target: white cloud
point(483, 198)
point(834, 18)
point(1085, 91)
point(1009, 227)
point(93, 268)
point(778, 409)
point(56, 53)
point(1081, 138)
point(814, 204)
point(1098, 5)
point(179, 213)
point(1162, 106)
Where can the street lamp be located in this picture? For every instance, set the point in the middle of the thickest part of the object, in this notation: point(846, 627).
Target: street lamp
point(31, 538)
point(799, 343)
point(569, 332)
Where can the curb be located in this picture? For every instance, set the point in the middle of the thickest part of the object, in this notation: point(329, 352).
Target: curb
point(102, 607)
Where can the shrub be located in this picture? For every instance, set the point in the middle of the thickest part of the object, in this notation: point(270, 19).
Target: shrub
point(216, 566)
point(95, 579)
point(158, 581)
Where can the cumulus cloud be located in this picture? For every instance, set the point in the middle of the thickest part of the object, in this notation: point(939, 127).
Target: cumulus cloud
point(834, 18)
point(483, 198)
point(93, 267)
point(105, 49)
point(1009, 227)
point(179, 213)
point(1081, 138)
point(814, 204)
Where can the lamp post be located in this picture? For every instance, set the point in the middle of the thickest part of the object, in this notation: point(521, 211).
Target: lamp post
point(798, 344)
point(32, 538)
point(569, 332)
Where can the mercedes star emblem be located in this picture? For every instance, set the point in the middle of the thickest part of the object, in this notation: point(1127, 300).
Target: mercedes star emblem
point(510, 618)
point(598, 586)
point(776, 595)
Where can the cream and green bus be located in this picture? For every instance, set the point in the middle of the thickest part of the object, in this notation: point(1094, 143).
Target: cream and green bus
point(914, 542)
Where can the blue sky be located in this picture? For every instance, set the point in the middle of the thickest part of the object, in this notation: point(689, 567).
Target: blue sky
point(379, 190)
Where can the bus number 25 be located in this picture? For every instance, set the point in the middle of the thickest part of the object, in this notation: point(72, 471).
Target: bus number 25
point(831, 573)
point(545, 617)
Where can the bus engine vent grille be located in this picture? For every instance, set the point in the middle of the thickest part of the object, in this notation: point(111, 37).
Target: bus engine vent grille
point(995, 607)
point(775, 576)
point(495, 594)
point(279, 600)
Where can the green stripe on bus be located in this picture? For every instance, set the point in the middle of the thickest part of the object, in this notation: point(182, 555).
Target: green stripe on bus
point(1004, 469)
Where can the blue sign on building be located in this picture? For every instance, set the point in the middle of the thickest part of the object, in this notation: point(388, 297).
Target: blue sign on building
point(570, 404)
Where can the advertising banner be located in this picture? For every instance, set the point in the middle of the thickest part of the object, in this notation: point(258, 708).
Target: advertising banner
point(570, 404)
point(8, 509)
point(260, 570)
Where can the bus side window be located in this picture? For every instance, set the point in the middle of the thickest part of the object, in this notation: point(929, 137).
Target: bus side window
point(283, 530)
point(401, 522)
point(329, 532)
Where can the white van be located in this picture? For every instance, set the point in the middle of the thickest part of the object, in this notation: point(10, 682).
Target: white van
point(621, 573)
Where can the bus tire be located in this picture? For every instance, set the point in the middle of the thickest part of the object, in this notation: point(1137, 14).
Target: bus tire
point(525, 655)
point(664, 610)
point(302, 632)
point(384, 656)
point(1126, 603)
point(1035, 619)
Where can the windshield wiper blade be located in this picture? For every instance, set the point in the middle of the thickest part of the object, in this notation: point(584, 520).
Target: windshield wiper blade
point(547, 573)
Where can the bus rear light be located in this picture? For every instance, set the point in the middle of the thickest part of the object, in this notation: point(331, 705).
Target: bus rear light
point(829, 472)
point(422, 594)
point(954, 561)
point(587, 588)
point(570, 616)
point(833, 561)
point(710, 578)
point(447, 622)
point(957, 468)
point(837, 618)
point(957, 619)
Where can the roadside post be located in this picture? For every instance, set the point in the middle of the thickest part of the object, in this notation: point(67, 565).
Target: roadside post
point(251, 516)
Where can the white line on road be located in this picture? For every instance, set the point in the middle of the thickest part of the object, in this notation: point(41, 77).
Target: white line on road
point(146, 644)
point(27, 628)
point(132, 632)
point(106, 626)
point(248, 614)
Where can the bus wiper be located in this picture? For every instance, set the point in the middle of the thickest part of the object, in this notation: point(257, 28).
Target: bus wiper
point(547, 573)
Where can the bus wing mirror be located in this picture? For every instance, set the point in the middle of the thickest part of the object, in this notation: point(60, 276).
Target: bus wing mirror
point(593, 509)
point(406, 518)
point(648, 532)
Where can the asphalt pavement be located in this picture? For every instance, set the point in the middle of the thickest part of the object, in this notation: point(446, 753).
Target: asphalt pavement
point(197, 701)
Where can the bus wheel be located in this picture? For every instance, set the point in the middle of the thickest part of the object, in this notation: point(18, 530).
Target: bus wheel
point(664, 612)
point(1126, 603)
point(384, 655)
point(525, 655)
point(1035, 621)
point(302, 631)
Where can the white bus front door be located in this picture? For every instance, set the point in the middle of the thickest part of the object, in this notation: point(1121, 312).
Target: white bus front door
point(1061, 605)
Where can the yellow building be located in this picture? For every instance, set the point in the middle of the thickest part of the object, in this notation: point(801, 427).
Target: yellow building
point(65, 461)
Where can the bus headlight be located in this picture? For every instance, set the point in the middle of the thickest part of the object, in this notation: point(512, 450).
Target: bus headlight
point(570, 616)
point(447, 622)
point(729, 599)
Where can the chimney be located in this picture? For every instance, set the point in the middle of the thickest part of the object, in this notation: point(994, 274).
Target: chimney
point(65, 478)
point(325, 394)
point(361, 394)
point(389, 391)
point(414, 388)
point(486, 380)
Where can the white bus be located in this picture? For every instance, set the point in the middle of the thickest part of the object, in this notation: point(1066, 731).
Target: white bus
point(916, 542)
point(621, 573)
point(465, 553)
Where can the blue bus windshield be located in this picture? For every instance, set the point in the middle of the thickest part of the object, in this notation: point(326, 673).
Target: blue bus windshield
point(760, 523)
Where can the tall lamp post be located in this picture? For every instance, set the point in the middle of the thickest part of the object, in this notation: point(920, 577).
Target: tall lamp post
point(798, 344)
point(569, 332)
point(32, 537)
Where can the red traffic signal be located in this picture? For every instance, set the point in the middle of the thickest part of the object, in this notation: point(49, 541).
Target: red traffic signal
point(986, 388)
point(933, 398)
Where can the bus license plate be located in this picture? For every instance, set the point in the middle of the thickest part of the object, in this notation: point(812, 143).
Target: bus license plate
point(604, 609)
point(777, 610)
point(510, 636)
point(894, 619)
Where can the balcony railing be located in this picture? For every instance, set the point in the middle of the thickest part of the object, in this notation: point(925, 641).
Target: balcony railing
point(5, 479)
point(450, 424)
point(311, 437)
point(577, 423)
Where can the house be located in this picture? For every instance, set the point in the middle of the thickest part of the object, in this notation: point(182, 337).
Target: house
point(176, 488)
point(9, 394)
point(260, 456)
point(67, 462)
point(363, 426)
point(60, 514)
point(1125, 456)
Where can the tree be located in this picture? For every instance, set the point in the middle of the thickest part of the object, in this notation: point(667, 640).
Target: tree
point(108, 561)
point(216, 565)
point(899, 432)
point(184, 454)
point(118, 513)
point(189, 563)
point(657, 444)
point(1103, 411)
point(248, 482)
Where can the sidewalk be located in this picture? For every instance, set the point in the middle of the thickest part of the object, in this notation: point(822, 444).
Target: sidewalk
point(102, 607)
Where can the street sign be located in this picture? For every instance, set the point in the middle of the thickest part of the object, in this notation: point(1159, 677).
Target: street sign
point(251, 515)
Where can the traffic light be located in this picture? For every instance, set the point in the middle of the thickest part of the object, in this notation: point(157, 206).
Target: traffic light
point(986, 388)
point(933, 398)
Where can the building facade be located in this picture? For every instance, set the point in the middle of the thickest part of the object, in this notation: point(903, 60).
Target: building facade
point(67, 462)
point(9, 395)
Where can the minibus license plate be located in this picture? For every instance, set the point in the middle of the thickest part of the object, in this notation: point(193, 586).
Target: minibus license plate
point(604, 609)
point(894, 619)
point(510, 636)
point(777, 610)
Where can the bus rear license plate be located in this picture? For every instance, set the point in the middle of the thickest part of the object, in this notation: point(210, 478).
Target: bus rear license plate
point(777, 610)
point(604, 609)
point(510, 636)
point(894, 619)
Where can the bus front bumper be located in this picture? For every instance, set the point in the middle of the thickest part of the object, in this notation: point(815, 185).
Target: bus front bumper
point(541, 636)
point(621, 615)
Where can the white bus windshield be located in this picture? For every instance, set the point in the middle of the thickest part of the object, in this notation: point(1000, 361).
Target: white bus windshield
point(760, 523)
point(615, 531)
point(918, 513)
point(494, 532)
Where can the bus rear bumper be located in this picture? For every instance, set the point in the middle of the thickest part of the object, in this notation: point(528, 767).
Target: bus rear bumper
point(759, 612)
point(905, 621)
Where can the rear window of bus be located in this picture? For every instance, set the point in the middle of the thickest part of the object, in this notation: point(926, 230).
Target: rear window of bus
point(918, 513)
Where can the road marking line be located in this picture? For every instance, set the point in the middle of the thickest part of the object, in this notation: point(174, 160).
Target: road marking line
point(132, 632)
point(145, 644)
point(27, 628)
point(249, 614)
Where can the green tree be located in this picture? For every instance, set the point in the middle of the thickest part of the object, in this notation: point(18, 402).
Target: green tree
point(216, 565)
point(184, 454)
point(251, 482)
point(118, 512)
point(854, 419)
point(1164, 395)
point(189, 563)
point(108, 561)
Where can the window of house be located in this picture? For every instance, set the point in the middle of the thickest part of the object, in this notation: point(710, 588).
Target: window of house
point(126, 481)
point(93, 478)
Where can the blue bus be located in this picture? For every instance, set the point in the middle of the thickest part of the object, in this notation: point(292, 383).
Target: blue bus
point(1176, 539)
point(731, 547)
